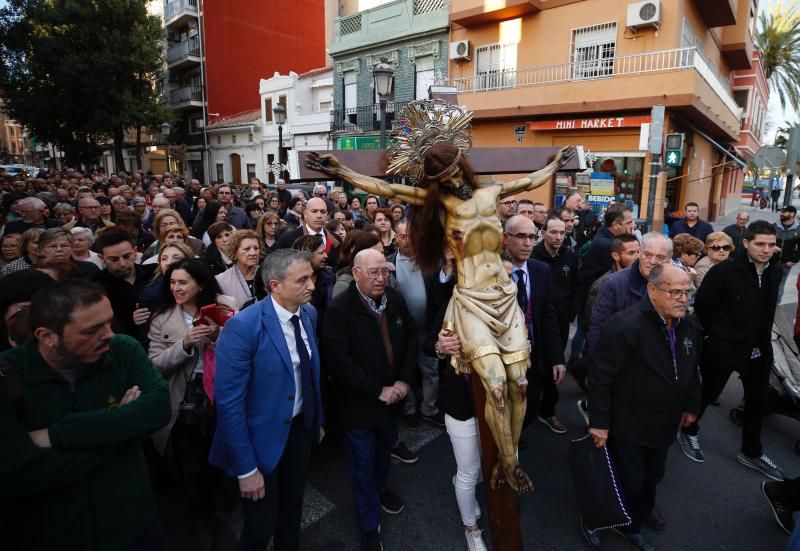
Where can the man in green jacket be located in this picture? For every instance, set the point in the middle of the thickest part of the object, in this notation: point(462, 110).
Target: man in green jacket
point(73, 475)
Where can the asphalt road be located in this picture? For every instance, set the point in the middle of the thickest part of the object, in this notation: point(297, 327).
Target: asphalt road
point(715, 505)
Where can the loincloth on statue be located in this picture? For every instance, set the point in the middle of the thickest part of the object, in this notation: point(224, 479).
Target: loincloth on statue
point(488, 321)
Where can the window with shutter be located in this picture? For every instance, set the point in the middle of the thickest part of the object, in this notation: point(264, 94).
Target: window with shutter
point(495, 66)
point(593, 50)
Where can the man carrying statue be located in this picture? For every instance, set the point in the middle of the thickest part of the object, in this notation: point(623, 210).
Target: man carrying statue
point(451, 206)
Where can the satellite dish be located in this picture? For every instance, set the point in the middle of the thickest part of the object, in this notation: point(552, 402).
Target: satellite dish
point(769, 156)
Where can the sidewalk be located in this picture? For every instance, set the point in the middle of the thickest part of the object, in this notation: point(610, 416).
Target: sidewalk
point(790, 290)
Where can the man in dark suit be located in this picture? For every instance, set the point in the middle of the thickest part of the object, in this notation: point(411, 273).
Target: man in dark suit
point(644, 381)
point(314, 217)
point(736, 306)
point(269, 409)
point(533, 283)
point(371, 347)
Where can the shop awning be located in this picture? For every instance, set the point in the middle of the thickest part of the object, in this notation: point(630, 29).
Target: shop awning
point(719, 147)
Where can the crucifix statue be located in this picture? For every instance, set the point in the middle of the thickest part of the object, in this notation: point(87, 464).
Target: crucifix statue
point(452, 208)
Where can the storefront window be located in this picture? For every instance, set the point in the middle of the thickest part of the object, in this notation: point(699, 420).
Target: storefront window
point(626, 172)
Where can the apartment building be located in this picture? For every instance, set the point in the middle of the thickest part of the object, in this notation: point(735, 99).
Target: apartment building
point(560, 72)
point(183, 84)
point(217, 51)
point(751, 92)
point(412, 35)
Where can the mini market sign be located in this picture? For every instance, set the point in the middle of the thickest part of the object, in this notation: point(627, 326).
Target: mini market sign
point(590, 124)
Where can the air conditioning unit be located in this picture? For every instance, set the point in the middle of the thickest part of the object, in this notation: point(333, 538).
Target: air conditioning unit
point(644, 14)
point(459, 50)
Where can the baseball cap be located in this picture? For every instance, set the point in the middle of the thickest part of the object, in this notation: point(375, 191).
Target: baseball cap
point(789, 208)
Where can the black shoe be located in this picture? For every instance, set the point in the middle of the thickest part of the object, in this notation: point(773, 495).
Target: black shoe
point(592, 538)
point(401, 453)
point(435, 419)
point(780, 510)
point(371, 541)
point(635, 538)
point(412, 421)
point(391, 503)
point(656, 521)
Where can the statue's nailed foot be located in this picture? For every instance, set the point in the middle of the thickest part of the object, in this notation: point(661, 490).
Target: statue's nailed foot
point(513, 474)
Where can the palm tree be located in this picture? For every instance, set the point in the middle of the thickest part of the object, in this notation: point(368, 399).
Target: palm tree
point(778, 38)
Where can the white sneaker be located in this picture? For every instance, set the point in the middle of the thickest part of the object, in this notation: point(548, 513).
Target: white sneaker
point(475, 540)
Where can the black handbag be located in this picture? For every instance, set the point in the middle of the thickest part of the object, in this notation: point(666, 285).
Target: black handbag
point(597, 489)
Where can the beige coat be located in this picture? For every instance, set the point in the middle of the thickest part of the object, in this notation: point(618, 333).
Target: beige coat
point(230, 285)
point(172, 361)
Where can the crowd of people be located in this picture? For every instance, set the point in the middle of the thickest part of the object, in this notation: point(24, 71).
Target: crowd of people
point(158, 332)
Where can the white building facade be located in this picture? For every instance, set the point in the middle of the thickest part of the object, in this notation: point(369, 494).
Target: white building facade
point(245, 145)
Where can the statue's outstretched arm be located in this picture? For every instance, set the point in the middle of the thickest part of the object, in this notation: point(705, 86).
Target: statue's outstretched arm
point(541, 176)
point(330, 165)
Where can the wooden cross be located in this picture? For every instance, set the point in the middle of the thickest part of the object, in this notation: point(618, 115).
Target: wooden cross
point(502, 503)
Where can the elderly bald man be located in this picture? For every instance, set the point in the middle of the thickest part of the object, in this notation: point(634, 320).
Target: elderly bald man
point(644, 382)
point(370, 344)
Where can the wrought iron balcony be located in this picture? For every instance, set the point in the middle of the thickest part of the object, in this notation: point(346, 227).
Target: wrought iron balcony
point(366, 118)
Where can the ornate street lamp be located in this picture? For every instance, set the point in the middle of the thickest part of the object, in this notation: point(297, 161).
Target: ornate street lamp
point(383, 73)
point(279, 112)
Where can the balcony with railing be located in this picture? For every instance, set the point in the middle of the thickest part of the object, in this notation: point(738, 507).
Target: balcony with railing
point(365, 118)
point(392, 20)
point(186, 98)
point(680, 77)
point(178, 13)
point(736, 41)
point(184, 54)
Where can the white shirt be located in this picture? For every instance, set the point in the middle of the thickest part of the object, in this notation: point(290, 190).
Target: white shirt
point(285, 319)
point(524, 269)
point(320, 233)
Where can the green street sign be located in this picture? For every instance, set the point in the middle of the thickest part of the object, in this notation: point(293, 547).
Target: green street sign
point(360, 142)
point(673, 157)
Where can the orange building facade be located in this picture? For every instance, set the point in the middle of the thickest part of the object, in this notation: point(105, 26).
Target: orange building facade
point(575, 72)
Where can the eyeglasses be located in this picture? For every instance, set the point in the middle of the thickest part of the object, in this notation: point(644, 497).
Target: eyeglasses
point(718, 248)
point(531, 236)
point(272, 223)
point(508, 203)
point(375, 273)
point(675, 294)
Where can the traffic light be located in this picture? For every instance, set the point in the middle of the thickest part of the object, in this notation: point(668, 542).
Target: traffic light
point(673, 152)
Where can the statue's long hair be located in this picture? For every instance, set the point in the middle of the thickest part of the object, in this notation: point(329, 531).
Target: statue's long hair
point(426, 222)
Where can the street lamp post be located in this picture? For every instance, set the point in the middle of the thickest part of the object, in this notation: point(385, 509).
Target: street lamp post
point(165, 128)
point(280, 119)
point(383, 73)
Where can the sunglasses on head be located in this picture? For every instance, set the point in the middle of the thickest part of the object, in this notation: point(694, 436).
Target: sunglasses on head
point(720, 247)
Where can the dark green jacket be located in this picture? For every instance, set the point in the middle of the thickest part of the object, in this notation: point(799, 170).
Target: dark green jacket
point(91, 490)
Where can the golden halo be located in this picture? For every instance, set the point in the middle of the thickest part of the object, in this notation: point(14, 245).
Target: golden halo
point(421, 124)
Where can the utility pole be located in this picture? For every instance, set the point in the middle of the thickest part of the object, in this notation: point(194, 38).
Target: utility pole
point(655, 142)
point(792, 158)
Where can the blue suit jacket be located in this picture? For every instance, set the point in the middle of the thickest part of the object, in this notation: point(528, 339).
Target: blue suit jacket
point(254, 389)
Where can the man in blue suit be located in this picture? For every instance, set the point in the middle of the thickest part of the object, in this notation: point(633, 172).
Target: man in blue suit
point(269, 410)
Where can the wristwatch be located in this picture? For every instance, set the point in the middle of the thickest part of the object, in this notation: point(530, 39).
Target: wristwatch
point(436, 349)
